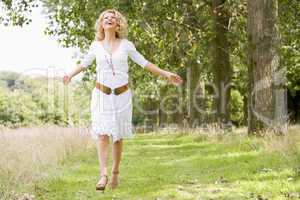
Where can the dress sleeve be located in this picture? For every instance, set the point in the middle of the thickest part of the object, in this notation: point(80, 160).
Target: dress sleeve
point(136, 56)
point(89, 57)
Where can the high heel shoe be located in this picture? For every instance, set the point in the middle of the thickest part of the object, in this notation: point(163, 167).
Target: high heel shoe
point(101, 186)
point(112, 184)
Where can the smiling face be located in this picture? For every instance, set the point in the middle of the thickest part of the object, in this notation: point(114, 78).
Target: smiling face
point(110, 21)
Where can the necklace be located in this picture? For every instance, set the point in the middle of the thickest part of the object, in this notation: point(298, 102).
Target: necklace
point(106, 46)
point(110, 63)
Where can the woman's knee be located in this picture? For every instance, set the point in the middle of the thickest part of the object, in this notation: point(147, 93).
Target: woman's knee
point(103, 138)
point(119, 141)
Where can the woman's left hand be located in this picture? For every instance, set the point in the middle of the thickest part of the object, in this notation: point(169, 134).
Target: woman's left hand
point(174, 78)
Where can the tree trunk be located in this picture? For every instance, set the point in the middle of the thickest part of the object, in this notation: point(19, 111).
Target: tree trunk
point(245, 110)
point(162, 116)
point(266, 102)
point(221, 62)
point(194, 90)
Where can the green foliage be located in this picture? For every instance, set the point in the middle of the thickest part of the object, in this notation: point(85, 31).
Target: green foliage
point(16, 12)
point(172, 34)
point(20, 110)
point(28, 101)
point(175, 35)
point(236, 106)
point(290, 40)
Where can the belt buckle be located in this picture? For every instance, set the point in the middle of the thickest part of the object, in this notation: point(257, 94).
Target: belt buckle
point(109, 90)
point(117, 91)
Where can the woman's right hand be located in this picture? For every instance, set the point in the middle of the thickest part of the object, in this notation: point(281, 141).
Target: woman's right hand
point(66, 79)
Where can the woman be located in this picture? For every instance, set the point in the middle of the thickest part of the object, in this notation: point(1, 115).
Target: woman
point(111, 103)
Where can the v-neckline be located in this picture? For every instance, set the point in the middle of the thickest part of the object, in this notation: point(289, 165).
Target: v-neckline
point(112, 53)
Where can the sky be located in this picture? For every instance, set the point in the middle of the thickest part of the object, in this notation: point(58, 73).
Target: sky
point(28, 50)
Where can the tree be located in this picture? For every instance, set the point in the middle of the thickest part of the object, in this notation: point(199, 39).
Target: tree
point(16, 12)
point(266, 103)
point(221, 63)
point(289, 17)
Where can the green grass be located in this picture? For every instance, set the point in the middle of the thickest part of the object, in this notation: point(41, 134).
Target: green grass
point(178, 166)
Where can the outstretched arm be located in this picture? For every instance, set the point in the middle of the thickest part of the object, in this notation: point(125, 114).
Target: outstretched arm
point(173, 78)
point(140, 59)
point(84, 63)
point(67, 78)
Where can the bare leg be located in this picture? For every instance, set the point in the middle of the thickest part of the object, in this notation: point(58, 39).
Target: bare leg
point(117, 148)
point(102, 147)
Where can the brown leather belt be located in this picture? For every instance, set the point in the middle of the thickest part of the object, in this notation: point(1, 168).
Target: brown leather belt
point(108, 90)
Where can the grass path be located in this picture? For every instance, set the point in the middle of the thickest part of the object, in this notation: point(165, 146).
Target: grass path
point(180, 167)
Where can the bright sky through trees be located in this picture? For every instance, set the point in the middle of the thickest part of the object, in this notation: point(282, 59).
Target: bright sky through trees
point(27, 49)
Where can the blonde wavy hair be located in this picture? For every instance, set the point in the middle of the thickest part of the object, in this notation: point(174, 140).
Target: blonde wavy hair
point(121, 31)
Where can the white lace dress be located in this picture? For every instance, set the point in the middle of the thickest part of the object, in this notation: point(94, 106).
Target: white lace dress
point(112, 114)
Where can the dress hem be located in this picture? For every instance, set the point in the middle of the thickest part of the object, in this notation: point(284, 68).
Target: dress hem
point(96, 132)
